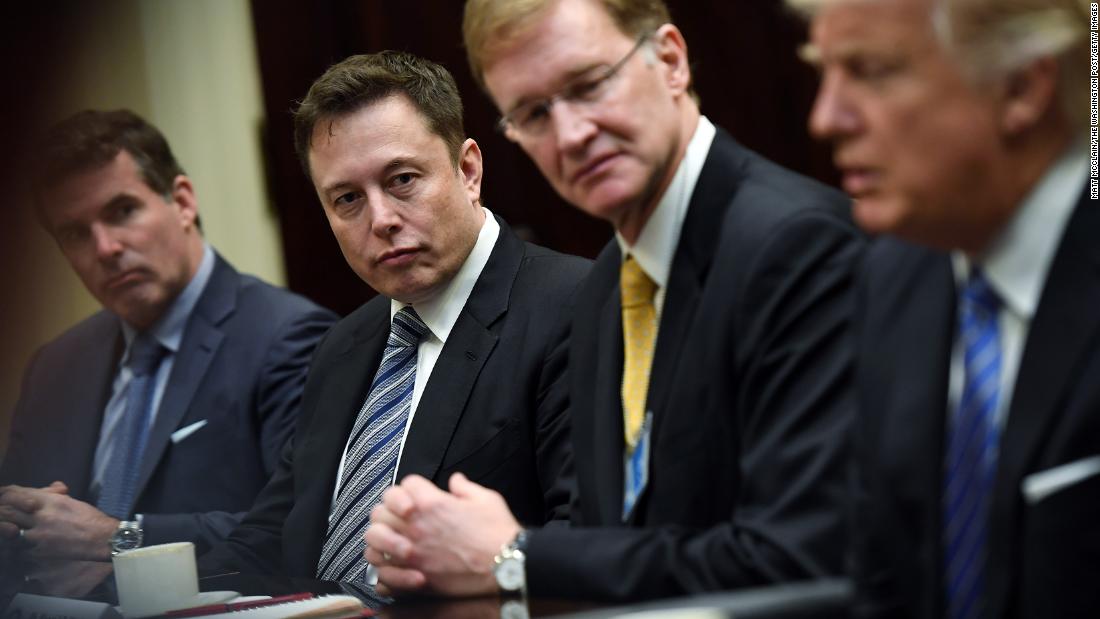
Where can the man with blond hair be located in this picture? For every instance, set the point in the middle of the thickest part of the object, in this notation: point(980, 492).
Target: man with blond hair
point(709, 359)
point(959, 127)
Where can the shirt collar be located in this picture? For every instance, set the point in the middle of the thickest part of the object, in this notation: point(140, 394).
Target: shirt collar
point(1017, 262)
point(657, 242)
point(440, 313)
point(168, 329)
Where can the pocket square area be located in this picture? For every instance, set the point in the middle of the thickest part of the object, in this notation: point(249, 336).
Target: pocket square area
point(1039, 486)
point(186, 431)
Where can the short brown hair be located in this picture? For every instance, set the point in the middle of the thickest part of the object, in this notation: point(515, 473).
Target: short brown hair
point(358, 81)
point(92, 138)
point(489, 25)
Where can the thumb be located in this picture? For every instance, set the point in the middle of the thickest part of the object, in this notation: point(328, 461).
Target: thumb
point(58, 486)
point(462, 487)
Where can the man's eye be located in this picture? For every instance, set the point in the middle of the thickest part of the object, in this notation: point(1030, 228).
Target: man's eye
point(70, 236)
point(403, 179)
point(872, 69)
point(533, 114)
point(345, 198)
point(122, 211)
point(587, 90)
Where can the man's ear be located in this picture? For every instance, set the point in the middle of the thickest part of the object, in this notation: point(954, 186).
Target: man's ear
point(469, 166)
point(671, 51)
point(1028, 93)
point(183, 195)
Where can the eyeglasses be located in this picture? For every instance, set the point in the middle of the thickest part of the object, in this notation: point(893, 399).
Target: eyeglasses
point(532, 119)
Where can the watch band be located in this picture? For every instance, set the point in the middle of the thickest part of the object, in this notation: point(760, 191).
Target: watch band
point(509, 566)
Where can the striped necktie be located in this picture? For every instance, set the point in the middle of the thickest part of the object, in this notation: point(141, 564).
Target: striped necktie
point(970, 466)
point(371, 459)
point(116, 496)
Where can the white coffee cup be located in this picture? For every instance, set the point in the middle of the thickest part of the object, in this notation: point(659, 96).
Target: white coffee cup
point(156, 579)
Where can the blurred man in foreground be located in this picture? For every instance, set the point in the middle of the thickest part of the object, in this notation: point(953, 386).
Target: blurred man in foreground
point(959, 126)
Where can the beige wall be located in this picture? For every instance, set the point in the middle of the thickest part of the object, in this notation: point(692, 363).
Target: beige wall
point(189, 67)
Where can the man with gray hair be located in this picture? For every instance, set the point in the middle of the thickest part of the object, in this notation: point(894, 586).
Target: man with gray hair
point(958, 126)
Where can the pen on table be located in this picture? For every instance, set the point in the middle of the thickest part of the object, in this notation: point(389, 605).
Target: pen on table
point(214, 609)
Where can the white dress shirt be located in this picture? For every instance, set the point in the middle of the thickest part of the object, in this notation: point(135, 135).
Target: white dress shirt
point(656, 245)
point(1016, 267)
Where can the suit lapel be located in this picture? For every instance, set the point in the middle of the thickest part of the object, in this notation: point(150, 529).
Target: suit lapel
point(198, 346)
point(468, 347)
point(607, 420)
point(694, 253)
point(346, 382)
point(905, 338)
point(1060, 334)
point(89, 392)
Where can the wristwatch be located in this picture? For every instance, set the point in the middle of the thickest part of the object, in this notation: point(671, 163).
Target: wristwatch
point(127, 536)
point(509, 568)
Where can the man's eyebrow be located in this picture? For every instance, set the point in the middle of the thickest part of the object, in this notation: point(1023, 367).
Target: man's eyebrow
point(398, 162)
point(337, 186)
point(119, 200)
point(569, 79)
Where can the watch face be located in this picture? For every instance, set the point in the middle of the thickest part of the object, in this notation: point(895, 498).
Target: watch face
point(126, 539)
point(514, 609)
point(510, 574)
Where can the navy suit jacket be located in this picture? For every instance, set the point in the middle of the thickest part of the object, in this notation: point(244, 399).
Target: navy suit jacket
point(494, 408)
point(241, 368)
point(1045, 556)
point(750, 395)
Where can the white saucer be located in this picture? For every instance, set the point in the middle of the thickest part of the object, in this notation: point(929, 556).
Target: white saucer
point(202, 599)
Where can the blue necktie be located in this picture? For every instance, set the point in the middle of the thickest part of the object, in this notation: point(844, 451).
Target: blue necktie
point(116, 496)
point(971, 457)
point(371, 460)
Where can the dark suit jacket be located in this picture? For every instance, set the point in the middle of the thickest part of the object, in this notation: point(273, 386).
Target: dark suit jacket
point(493, 408)
point(750, 395)
point(241, 367)
point(1045, 557)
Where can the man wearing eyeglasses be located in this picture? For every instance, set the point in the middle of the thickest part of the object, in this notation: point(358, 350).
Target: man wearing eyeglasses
point(709, 357)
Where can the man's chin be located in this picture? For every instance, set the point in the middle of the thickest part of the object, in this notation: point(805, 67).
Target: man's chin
point(875, 215)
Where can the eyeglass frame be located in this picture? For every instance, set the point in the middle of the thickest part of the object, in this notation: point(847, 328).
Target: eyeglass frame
point(569, 92)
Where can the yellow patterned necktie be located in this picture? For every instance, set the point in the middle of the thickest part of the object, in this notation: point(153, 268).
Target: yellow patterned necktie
point(639, 338)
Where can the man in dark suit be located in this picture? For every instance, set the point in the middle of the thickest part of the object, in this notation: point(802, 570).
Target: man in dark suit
point(959, 128)
point(484, 391)
point(709, 358)
point(232, 354)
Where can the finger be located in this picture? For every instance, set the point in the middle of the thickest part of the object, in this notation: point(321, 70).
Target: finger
point(381, 540)
point(421, 490)
point(399, 579)
point(57, 487)
point(462, 487)
point(28, 500)
point(398, 501)
point(20, 519)
point(383, 590)
point(8, 531)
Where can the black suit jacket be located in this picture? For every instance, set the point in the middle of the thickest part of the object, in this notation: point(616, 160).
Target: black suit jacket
point(1045, 557)
point(750, 395)
point(241, 367)
point(493, 408)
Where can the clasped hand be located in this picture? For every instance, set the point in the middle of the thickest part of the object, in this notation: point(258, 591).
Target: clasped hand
point(423, 538)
